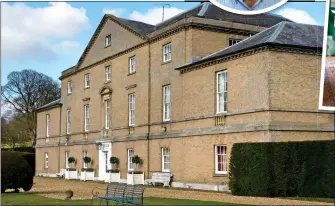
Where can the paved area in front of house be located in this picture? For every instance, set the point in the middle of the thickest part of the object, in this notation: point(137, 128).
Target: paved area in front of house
point(55, 188)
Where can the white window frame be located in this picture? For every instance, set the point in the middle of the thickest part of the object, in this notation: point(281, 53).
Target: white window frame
point(69, 87)
point(131, 109)
point(224, 159)
point(68, 121)
point(85, 154)
point(87, 80)
point(108, 40)
point(86, 117)
point(167, 55)
point(131, 154)
point(46, 160)
point(108, 73)
point(223, 92)
point(48, 125)
point(132, 64)
point(167, 103)
point(234, 41)
point(67, 155)
point(107, 114)
point(165, 159)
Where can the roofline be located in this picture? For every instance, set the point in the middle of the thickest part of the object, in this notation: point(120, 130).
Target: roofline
point(176, 27)
point(98, 30)
point(43, 108)
point(182, 13)
point(271, 44)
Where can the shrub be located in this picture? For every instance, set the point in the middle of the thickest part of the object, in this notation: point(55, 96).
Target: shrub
point(15, 172)
point(136, 159)
point(71, 160)
point(304, 169)
point(68, 194)
point(114, 160)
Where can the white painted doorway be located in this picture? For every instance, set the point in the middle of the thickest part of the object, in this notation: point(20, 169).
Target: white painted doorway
point(105, 153)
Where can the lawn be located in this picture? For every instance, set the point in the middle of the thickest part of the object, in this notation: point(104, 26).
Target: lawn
point(33, 199)
point(314, 199)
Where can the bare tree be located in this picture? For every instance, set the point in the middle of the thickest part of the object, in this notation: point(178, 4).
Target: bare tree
point(28, 90)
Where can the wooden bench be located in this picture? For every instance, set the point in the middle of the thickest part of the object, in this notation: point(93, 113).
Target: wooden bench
point(160, 177)
point(119, 193)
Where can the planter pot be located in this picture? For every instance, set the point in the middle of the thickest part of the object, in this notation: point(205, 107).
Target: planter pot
point(71, 174)
point(135, 179)
point(87, 175)
point(112, 177)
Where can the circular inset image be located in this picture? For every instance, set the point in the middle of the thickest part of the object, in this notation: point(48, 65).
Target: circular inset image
point(248, 7)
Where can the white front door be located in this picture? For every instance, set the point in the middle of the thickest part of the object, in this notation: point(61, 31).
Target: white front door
point(105, 154)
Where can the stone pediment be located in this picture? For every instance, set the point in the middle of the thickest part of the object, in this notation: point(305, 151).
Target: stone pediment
point(105, 90)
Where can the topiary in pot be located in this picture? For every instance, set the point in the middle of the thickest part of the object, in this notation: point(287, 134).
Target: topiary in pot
point(137, 160)
point(114, 161)
point(71, 160)
point(87, 159)
point(15, 172)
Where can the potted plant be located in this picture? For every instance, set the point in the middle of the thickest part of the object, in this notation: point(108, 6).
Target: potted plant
point(71, 173)
point(114, 173)
point(136, 177)
point(87, 173)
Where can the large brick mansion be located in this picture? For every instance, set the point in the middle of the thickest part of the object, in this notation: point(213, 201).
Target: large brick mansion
point(179, 94)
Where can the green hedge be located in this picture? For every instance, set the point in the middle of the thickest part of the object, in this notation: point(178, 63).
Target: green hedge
point(15, 172)
point(304, 169)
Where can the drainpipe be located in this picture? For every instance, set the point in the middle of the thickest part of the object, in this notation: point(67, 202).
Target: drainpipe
point(60, 135)
point(149, 107)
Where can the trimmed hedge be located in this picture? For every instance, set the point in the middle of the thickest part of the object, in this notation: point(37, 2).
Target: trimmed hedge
point(15, 172)
point(304, 169)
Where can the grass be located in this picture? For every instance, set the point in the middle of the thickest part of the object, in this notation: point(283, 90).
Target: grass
point(32, 199)
point(315, 199)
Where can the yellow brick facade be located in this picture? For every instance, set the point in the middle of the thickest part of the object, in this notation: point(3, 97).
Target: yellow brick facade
point(272, 96)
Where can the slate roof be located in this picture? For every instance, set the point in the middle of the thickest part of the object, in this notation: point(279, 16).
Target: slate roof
point(203, 10)
point(138, 26)
point(69, 70)
point(51, 104)
point(210, 11)
point(288, 34)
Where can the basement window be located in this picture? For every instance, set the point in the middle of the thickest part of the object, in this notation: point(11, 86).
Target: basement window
point(220, 159)
point(46, 158)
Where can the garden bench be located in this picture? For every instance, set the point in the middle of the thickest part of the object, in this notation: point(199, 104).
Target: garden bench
point(119, 193)
point(61, 173)
point(160, 177)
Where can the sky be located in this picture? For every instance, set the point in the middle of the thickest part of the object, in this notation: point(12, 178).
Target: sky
point(50, 37)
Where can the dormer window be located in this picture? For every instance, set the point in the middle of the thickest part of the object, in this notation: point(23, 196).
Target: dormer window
point(234, 41)
point(108, 40)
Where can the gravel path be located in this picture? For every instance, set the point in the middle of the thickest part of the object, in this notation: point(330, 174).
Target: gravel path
point(55, 188)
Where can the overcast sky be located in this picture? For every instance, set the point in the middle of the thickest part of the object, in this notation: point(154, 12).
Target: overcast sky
point(50, 37)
